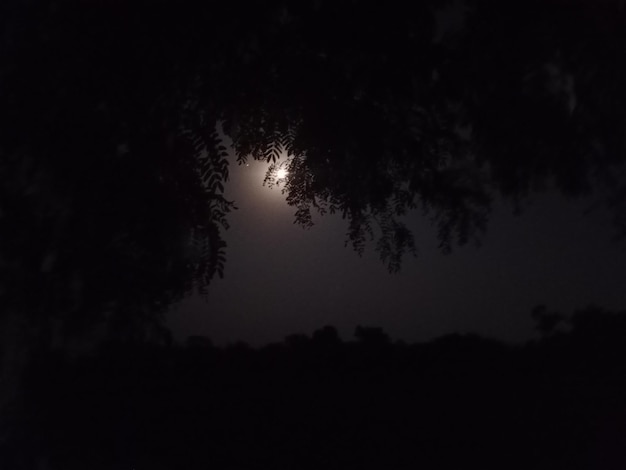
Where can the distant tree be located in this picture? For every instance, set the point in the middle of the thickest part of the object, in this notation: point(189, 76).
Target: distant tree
point(327, 336)
point(297, 341)
point(372, 336)
point(198, 342)
point(546, 322)
point(598, 326)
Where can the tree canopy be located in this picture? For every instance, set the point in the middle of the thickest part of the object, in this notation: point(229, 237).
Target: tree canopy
point(112, 173)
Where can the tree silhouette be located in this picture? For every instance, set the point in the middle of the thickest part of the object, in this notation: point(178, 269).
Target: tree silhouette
point(112, 173)
point(388, 121)
point(112, 177)
point(372, 336)
point(546, 322)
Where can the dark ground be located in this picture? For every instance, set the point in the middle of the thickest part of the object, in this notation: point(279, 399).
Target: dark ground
point(318, 402)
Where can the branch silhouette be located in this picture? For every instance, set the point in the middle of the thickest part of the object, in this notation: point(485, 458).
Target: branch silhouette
point(112, 174)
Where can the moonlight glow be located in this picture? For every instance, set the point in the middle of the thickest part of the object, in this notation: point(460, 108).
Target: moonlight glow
point(281, 173)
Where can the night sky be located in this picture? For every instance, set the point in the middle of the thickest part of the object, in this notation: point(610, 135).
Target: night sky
point(282, 279)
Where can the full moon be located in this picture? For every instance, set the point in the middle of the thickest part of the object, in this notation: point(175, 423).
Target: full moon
point(280, 174)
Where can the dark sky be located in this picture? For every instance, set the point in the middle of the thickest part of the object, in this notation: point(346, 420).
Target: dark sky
point(282, 279)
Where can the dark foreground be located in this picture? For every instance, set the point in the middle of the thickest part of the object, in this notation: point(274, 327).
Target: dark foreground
point(320, 403)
